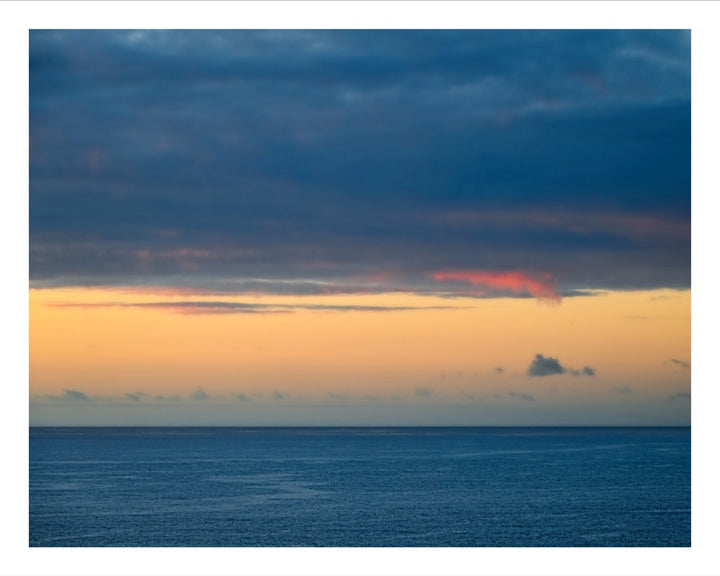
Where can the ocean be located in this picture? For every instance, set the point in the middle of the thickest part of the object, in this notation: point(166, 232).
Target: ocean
point(350, 487)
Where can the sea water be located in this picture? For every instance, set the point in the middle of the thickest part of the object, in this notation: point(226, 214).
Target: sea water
point(346, 487)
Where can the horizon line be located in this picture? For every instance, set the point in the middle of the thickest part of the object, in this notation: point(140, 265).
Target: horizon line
point(357, 426)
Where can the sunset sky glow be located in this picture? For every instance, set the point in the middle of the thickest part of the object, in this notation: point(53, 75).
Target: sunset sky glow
point(360, 227)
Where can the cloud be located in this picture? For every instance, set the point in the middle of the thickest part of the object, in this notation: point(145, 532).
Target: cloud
point(199, 394)
point(224, 307)
point(227, 183)
point(424, 392)
point(623, 390)
point(279, 395)
point(679, 396)
point(171, 398)
point(68, 395)
point(542, 366)
point(521, 396)
point(542, 287)
point(74, 395)
point(133, 397)
point(498, 370)
point(682, 365)
point(243, 397)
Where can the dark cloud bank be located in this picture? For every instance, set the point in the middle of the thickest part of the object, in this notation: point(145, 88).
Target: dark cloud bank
point(360, 160)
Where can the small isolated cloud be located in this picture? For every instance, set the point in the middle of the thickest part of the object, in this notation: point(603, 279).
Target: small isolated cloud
point(75, 395)
point(279, 395)
point(498, 370)
point(199, 394)
point(623, 390)
point(424, 392)
point(336, 396)
point(679, 396)
point(243, 397)
point(521, 396)
point(547, 366)
point(682, 365)
point(542, 366)
point(133, 397)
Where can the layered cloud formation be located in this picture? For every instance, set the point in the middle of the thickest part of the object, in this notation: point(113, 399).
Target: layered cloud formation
point(518, 163)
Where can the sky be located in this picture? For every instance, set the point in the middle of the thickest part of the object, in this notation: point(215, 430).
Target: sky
point(359, 227)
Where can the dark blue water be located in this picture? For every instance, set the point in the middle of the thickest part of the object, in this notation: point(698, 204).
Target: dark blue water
point(359, 487)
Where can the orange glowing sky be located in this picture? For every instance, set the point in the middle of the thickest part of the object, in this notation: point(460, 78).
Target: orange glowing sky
point(120, 350)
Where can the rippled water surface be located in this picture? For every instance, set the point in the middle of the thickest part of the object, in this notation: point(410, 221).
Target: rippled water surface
point(359, 487)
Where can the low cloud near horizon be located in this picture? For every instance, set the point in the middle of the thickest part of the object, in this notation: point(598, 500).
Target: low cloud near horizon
point(199, 394)
point(75, 395)
point(679, 363)
point(521, 396)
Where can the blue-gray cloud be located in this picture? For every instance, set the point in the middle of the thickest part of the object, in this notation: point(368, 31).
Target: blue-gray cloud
point(521, 396)
point(623, 390)
point(679, 363)
point(197, 157)
point(547, 366)
point(170, 398)
point(424, 392)
point(542, 366)
point(679, 396)
point(223, 307)
point(199, 394)
point(74, 395)
point(69, 395)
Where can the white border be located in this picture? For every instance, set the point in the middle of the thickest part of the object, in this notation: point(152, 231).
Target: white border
point(15, 20)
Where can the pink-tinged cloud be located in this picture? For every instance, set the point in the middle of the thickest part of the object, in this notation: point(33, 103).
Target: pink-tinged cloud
point(541, 287)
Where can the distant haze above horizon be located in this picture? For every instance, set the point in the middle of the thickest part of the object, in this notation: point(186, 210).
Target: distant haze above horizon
point(360, 227)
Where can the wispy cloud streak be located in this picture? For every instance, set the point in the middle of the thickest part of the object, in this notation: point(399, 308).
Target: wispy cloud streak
point(223, 307)
point(680, 364)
